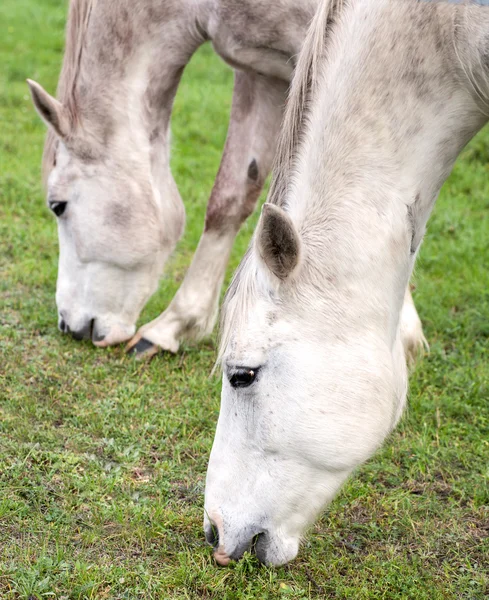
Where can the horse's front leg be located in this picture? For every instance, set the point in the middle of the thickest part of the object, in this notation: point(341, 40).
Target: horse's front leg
point(255, 120)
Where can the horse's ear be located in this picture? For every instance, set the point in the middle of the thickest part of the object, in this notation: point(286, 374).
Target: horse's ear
point(52, 112)
point(277, 241)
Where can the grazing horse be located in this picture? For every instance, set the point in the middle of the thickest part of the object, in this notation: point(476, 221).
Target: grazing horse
point(106, 159)
point(385, 96)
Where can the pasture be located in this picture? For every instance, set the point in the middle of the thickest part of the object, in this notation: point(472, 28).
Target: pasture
point(103, 458)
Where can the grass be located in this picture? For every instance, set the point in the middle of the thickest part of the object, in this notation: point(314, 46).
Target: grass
point(102, 459)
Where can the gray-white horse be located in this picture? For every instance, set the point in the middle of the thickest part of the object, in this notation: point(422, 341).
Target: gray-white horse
point(385, 96)
point(106, 158)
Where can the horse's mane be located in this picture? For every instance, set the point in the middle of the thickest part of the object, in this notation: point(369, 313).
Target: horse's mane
point(245, 285)
point(301, 90)
point(77, 25)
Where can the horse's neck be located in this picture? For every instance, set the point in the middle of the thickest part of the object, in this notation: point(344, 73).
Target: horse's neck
point(387, 130)
point(131, 64)
point(389, 136)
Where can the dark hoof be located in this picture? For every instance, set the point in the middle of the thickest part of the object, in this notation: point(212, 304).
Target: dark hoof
point(143, 349)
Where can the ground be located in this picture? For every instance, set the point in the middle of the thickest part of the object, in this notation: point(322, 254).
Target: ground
point(103, 459)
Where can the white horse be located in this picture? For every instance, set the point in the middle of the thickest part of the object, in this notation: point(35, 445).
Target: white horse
point(106, 158)
point(386, 94)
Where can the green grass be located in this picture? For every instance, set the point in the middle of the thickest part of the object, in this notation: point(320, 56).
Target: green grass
point(103, 460)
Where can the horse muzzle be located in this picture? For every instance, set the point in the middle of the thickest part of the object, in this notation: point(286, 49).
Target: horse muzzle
point(246, 543)
point(83, 331)
point(94, 330)
point(231, 545)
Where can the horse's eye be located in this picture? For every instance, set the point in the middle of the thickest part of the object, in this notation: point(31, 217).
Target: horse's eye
point(58, 208)
point(242, 377)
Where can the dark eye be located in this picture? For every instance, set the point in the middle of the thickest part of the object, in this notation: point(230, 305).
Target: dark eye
point(58, 208)
point(242, 377)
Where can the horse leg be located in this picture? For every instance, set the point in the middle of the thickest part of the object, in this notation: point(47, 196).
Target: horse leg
point(250, 146)
point(412, 335)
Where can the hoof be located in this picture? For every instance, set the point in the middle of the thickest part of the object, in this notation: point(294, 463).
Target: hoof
point(143, 349)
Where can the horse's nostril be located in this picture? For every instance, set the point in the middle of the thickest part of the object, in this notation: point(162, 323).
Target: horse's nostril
point(98, 338)
point(85, 333)
point(259, 546)
point(254, 542)
point(62, 326)
point(212, 535)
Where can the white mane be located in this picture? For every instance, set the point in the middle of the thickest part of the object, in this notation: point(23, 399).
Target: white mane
point(246, 286)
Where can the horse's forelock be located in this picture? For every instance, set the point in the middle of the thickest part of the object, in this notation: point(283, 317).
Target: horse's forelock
point(237, 302)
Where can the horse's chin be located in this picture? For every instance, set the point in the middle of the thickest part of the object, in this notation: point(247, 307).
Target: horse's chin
point(276, 550)
point(118, 334)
